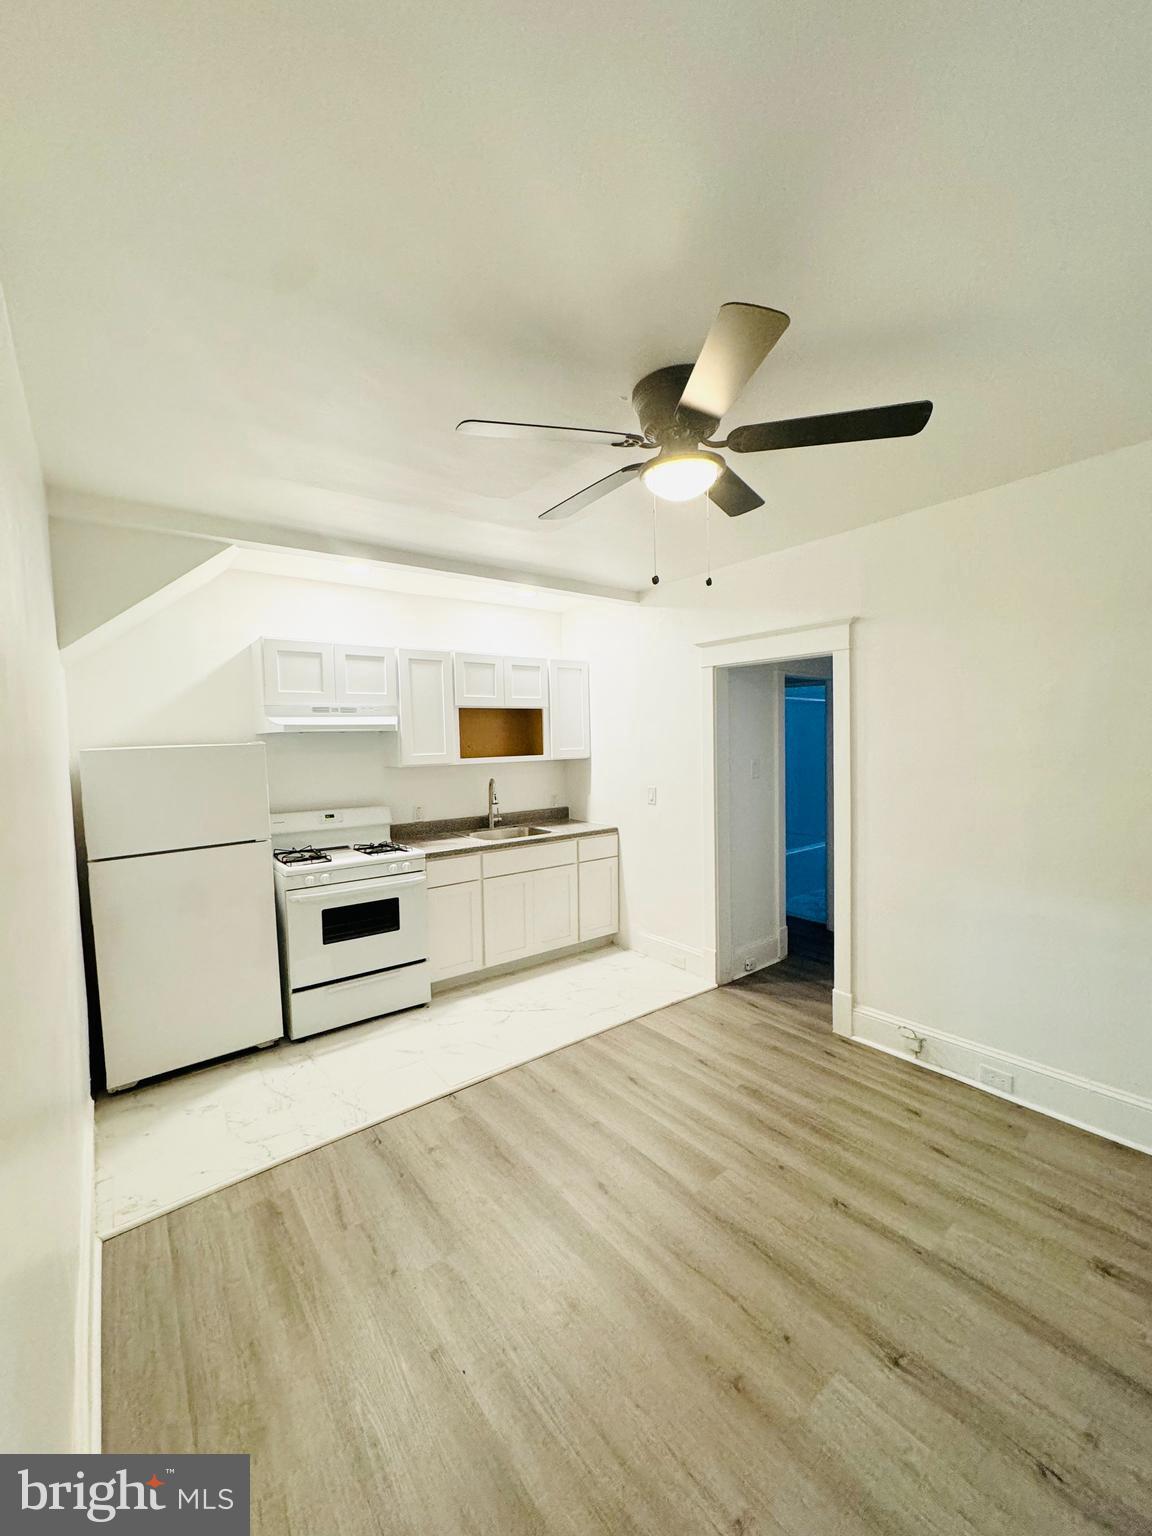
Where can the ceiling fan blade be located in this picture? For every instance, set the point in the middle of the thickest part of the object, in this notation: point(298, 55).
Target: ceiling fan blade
point(741, 337)
point(593, 492)
point(472, 428)
point(734, 496)
point(840, 427)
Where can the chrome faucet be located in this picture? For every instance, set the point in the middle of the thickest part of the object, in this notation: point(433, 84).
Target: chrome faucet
point(493, 804)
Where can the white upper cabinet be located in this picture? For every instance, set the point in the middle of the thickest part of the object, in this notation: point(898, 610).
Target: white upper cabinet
point(316, 685)
point(323, 685)
point(365, 675)
point(568, 708)
point(479, 681)
point(298, 674)
point(525, 683)
point(428, 731)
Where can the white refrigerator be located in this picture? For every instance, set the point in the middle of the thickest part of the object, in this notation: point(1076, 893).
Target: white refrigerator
point(182, 902)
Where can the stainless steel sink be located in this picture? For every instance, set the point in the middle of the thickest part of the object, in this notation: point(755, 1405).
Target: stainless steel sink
point(506, 834)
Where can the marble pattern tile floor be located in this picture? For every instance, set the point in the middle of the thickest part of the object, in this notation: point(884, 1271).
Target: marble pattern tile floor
point(160, 1146)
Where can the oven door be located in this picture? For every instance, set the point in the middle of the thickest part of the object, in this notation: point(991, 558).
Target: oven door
point(354, 929)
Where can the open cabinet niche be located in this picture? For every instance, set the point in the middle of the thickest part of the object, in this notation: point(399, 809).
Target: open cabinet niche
point(488, 733)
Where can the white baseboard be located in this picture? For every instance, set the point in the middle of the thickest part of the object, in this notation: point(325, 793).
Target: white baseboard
point(1112, 1112)
point(86, 1389)
point(699, 962)
point(753, 957)
point(841, 1012)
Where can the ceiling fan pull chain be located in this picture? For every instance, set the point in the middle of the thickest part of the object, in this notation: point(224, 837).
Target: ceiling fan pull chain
point(655, 578)
point(707, 539)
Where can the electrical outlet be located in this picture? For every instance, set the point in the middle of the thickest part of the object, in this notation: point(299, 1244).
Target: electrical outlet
point(993, 1077)
point(757, 767)
point(651, 794)
point(555, 801)
point(417, 813)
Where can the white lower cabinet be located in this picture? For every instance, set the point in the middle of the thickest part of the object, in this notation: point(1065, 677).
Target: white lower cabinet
point(599, 898)
point(529, 914)
point(554, 908)
point(507, 918)
point(511, 904)
point(455, 930)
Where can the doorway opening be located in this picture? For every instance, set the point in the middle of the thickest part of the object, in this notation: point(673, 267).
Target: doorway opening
point(808, 813)
point(775, 821)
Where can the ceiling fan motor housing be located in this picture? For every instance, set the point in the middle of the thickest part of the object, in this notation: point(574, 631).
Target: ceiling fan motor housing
point(655, 400)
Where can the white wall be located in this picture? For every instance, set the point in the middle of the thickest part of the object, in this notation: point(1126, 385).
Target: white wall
point(1002, 727)
point(183, 674)
point(45, 1112)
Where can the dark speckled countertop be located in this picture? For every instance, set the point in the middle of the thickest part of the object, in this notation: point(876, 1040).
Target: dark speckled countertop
point(449, 839)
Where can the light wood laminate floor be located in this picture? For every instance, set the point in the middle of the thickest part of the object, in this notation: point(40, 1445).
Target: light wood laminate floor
point(713, 1271)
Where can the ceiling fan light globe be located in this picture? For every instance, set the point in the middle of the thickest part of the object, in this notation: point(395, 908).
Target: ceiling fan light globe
point(682, 476)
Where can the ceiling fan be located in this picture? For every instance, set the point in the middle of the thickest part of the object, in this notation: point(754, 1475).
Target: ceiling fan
point(680, 407)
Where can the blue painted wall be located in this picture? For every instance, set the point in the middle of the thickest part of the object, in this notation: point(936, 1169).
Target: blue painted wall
point(806, 800)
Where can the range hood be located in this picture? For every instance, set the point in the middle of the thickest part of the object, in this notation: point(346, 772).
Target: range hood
point(333, 721)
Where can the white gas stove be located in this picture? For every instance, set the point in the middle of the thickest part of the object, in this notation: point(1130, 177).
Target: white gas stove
point(351, 909)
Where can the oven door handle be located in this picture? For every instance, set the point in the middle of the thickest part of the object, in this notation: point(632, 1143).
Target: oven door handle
point(350, 890)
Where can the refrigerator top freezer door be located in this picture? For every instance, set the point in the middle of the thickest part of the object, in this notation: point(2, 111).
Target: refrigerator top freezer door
point(158, 799)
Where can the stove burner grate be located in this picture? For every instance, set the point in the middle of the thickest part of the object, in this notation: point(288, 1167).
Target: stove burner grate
point(307, 855)
point(379, 848)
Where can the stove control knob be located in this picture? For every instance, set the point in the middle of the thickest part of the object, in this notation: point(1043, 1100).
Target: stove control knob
point(405, 865)
point(309, 879)
point(324, 879)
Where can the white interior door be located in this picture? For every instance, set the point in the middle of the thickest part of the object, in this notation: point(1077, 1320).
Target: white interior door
point(568, 708)
point(479, 681)
point(298, 674)
point(366, 676)
point(752, 928)
point(525, 683)
point(428, 732)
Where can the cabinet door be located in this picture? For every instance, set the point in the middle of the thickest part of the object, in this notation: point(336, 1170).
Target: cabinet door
point(554, 908)
point(568, 708)
point(365, 676)
point(455, 930)
point(479, 681)
point(508, 918)
point(298, 674)
point(427, 718)
point(525, 683)
point(599, 898)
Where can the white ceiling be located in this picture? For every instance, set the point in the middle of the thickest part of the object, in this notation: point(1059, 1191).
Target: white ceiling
point(262, 256)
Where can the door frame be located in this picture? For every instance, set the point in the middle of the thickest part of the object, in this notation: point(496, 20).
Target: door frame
point(784, 645)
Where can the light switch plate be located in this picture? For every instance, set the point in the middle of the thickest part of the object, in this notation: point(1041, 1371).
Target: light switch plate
point(651, 794)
